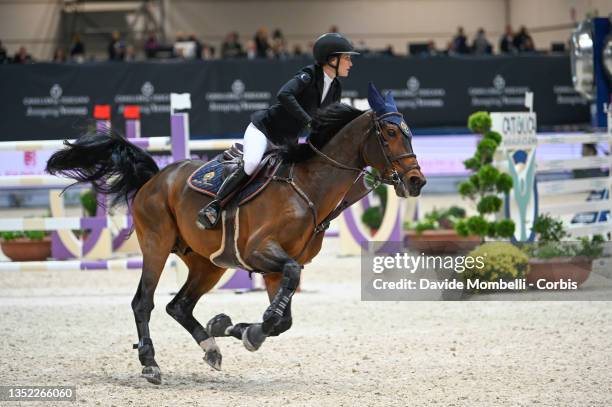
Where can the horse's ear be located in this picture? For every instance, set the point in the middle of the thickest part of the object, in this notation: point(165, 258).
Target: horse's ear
point(375, 99)
point(389, 101)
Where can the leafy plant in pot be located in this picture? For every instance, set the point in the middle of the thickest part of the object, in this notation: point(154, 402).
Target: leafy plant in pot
point(435, 233)
point(373, 216)
point(553, 258)
point(484, 185)
point(29, 245)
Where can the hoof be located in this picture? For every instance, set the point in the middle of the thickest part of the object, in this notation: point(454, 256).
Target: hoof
point(212, 353)
point(213, 358)
point(253, 337)
point(218, 325)
point(152, 374)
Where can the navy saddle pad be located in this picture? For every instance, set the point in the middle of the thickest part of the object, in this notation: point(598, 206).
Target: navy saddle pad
point(208, 179)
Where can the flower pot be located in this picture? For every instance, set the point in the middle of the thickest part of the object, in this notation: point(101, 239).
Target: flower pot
point(556, 269)
point(444, 241)
point(23, 249)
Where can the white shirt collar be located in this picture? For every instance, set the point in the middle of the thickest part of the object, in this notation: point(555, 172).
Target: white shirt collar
point(327, 81)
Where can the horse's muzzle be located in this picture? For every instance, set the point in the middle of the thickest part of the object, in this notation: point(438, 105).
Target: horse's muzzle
point(415, 184)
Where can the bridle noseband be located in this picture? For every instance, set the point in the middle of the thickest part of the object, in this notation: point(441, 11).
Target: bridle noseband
point(395, 178)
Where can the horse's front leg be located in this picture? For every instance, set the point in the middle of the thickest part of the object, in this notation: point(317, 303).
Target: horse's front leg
point(277, 318)
point(282, 280)
point(273, 282)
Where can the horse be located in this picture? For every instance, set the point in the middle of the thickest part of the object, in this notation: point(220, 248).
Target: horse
point(276, 233)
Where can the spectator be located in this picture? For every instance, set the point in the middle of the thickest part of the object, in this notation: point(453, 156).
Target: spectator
point(3, 54)
point(522, 41)
point(297, 50)
point(388, 51)
point(459, 43)
point(77, 49)
point(198, 45)
point(431, 49)
point(251, 49)
point(130, 53)
point(481, 45)
point(231, 48)
point(506, 44)
point(208, 52)
point(262, 44)
point(151, 45)
point(279, 45)
point(22, 56)
point(116, 48)
point(187, 47)
point(362, 48)
point(59, 56)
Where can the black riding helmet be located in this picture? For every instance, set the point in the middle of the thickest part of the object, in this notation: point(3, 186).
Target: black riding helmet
point(329, 45)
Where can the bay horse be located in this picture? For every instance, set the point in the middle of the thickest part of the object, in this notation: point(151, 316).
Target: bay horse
point(279, 230)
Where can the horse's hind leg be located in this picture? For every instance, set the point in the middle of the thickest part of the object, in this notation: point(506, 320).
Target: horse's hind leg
point(155, 242)
point(203, 275)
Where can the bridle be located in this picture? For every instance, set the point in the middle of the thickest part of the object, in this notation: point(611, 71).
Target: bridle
point(395, 178)
point(350, 198)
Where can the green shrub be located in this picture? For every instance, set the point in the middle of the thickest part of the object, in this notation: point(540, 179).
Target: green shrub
point(502, 261)
point(439, 219)
point(479, 122)
point(485, 183)
point(89, 202)
point(372, 217)
point(477, 225)
point(504, 183)
point(505, 228)
point(27, 234)
point(493, 135)
point(489, 204)
point(550, 233)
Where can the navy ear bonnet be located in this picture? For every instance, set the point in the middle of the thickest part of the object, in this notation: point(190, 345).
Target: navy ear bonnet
point(384, 105)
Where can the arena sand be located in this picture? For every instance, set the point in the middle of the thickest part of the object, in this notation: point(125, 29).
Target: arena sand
point(77, 329)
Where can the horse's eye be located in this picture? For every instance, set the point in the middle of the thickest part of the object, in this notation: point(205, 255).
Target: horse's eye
point(391, 133)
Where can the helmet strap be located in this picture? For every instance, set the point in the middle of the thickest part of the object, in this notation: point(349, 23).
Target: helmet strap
point(336, 66)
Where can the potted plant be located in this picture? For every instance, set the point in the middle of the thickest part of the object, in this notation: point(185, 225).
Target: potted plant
point(29, 245)
point(435, 233)
point(89, 202)
point(373, 216)
point(89, 205)
point(552, 259)
point(484, 185)
point(502, 261)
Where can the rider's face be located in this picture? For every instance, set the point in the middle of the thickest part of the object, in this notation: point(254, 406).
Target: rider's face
point(344, 65)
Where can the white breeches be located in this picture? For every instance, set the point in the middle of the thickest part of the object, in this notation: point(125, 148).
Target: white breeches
point(255, 144)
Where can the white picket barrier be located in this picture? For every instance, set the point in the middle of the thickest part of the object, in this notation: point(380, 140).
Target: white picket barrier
point(560, 188)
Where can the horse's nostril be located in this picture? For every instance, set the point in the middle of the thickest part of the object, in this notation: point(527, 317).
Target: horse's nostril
point(417, 181)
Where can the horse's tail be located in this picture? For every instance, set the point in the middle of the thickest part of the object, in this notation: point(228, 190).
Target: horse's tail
point(112, 164)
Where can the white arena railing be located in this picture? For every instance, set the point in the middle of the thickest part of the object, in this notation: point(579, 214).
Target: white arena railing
point(560, 188)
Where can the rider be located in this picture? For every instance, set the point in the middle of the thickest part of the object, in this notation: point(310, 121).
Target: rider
point(313, 87)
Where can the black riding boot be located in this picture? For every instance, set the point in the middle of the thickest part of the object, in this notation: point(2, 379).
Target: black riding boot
point(208, 217)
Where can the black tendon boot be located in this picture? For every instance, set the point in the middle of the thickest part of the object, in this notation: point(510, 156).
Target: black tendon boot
point(208, 217)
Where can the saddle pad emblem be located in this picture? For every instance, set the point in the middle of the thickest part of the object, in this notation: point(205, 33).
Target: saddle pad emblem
point(207, 177)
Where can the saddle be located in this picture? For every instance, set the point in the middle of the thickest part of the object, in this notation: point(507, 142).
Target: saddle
point(208, 178)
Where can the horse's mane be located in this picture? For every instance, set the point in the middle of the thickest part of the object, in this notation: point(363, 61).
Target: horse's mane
point(326, 123)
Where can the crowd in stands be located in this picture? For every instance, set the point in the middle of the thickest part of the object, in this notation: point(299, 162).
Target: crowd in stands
point(509, 43)
point(264, 45)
